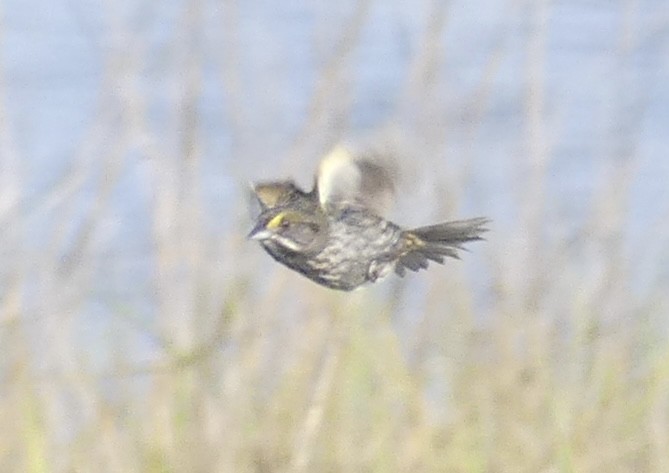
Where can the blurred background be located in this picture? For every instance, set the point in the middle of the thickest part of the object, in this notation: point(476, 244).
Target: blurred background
point(141, 332)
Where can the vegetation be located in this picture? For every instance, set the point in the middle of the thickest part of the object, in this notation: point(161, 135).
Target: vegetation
point(141, 332)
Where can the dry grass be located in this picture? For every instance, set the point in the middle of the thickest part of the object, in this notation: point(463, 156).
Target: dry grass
point(141, 334)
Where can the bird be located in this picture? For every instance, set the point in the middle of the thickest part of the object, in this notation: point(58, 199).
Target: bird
point(334, 233)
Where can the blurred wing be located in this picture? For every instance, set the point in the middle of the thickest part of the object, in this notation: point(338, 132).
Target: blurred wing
point(263, 196)
point(366, 180)
point(274, 194)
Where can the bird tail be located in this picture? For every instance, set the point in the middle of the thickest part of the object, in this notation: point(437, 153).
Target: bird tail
point(437, 241)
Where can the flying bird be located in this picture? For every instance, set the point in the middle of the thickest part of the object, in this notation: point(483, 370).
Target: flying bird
point(334, 234)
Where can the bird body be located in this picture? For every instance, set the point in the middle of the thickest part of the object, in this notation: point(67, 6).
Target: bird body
point(341, 243)
point(346, 260)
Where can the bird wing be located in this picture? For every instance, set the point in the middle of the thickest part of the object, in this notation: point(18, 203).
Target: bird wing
point(361, 179)
point(276, 193)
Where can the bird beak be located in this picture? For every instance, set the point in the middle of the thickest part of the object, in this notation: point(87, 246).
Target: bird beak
point(259, 232)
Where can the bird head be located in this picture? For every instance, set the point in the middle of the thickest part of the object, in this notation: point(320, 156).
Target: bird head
point(292, 229)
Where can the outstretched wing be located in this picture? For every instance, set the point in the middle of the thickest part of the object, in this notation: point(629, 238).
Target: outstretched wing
point(277, 193)
point(361, 179)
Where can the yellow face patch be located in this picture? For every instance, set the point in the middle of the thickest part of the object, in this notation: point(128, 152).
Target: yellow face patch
point(276, 221)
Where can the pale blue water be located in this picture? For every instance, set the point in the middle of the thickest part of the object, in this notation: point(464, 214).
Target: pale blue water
point(601, 104)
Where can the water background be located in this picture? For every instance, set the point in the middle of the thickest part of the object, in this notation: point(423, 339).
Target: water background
point(455, 83)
